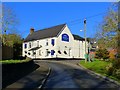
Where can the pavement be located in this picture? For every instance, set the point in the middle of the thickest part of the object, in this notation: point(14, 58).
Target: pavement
point(34, 80)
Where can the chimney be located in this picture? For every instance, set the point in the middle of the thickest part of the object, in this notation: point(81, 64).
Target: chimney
point(31, 30)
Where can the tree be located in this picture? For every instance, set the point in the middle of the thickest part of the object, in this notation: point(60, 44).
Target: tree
point(10, 35)
point(11, 39)
point(108, 29)
point(9, 23)
point(9, 20)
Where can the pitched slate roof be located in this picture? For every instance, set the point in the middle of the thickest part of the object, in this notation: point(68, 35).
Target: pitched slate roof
point(45, 33)
point(77, 37)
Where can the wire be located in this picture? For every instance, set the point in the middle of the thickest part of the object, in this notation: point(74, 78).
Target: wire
point(96, 15)
point(73, 22)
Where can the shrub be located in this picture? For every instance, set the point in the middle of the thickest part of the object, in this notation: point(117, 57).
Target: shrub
point(116, 73)
point(116, 63)
point(102, 54)
point(114, 68)
point(112, 55)
point(110, 69)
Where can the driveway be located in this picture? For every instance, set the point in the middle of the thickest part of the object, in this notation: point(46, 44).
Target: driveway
point(66, 74)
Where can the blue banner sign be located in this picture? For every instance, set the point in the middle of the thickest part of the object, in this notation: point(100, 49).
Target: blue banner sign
point(65, 37)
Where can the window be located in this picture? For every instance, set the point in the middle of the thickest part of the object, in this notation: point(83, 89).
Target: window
point(47, 52)
point(40, 52)
point(29, 53)
point(59, 52)
point(25, 46)
point(65, 52)
point(25, 51)
point(29, 45)
point(33, 53)
point(37, 43)
point(52, 52)
point(53, 42)
point(46, 42)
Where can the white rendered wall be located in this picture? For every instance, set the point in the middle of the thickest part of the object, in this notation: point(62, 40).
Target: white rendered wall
point(65, 46)
point(41, 52)
point(74, 48)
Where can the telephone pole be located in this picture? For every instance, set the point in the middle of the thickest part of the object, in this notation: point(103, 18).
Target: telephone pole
point(85, 39)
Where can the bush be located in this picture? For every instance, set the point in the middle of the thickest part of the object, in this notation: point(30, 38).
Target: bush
point(114, 68)
point(102, 54)
point(116, 63)
point(110, 69)
point(116, 73)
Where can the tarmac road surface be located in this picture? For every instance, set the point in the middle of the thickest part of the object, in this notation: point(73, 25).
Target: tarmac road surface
point(66, 74)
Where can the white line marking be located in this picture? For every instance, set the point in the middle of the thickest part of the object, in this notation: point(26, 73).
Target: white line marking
point(40, 86)
point(45, 78)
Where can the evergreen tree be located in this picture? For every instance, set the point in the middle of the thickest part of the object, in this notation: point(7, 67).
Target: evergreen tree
point(102, 53)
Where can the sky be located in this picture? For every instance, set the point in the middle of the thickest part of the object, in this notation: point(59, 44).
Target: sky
point(40, 15)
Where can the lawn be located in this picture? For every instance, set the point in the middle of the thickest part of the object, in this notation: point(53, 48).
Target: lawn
point(98, 66)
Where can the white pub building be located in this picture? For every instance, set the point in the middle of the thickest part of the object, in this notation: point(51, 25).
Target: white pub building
point(54, 42)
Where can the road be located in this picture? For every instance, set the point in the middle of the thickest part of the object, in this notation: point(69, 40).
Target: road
point(66, 74)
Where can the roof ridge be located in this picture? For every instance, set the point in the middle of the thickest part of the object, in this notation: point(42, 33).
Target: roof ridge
point(45, 33)
point(50, 27)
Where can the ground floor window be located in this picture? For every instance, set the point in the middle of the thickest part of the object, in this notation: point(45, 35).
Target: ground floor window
point(39, 52)
point(25, 51)
point(29, 53)
point(65, 52)
point(47, 54)
point(52, 52)
point(59, 52)
point(34, 53)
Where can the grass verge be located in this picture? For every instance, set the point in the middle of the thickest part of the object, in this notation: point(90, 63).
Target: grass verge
point(98, 66)
point(14, 61)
